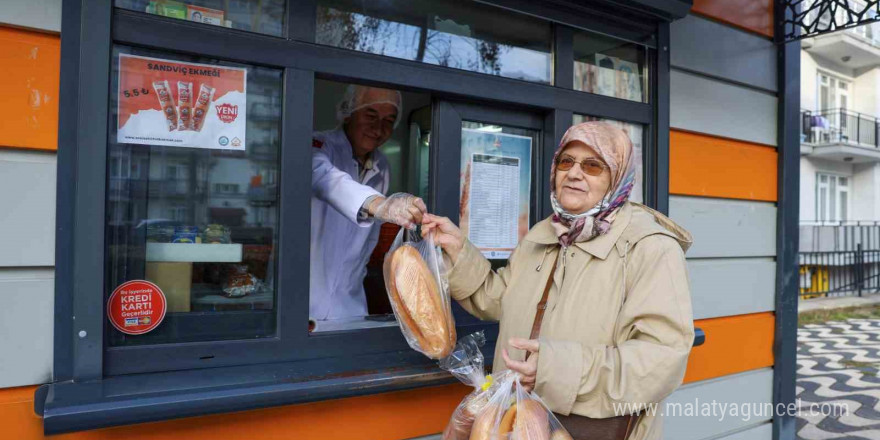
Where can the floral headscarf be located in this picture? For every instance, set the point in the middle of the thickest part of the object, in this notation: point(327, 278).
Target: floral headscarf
point(615, 148)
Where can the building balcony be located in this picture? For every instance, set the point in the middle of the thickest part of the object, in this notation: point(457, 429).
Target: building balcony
point(853, 48)
point(840, 135)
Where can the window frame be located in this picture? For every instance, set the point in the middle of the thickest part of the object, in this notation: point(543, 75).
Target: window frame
point(80, 352)
point(839, 215)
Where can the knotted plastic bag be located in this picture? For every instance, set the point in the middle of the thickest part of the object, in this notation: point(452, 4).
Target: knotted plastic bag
point(466, 363)
point(513, 413)
point(415, 279)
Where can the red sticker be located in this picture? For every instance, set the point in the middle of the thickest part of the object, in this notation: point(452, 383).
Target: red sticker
point(136, 307)
point(227, 112)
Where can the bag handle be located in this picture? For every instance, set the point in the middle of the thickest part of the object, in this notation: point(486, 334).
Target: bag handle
point(542, 305)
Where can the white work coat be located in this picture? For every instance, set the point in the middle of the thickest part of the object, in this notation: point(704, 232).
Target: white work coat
point(341, 243)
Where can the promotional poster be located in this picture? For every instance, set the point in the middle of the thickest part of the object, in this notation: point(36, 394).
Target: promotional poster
point(177, 104)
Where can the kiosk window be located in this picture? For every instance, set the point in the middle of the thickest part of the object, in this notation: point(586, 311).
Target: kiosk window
point(636, 135)
point(368, 141)
point(263, 16)
point(461, 35)
point(192, 197)
point(610, 67)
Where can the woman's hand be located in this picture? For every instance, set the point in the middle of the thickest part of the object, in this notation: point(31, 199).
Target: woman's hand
point(528, 370)
point(446, 234)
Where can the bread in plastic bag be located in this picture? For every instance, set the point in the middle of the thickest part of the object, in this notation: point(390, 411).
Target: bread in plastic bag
point(516, 414)
point(415, 279)
point(466, 363)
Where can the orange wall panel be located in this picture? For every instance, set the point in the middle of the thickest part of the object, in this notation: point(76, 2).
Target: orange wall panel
point(751, 15)
point(707, 166)
point(734, 344)
point(29, 89)
point(387, 416)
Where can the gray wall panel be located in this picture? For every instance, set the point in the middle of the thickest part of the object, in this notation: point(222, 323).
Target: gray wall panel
point(732, 286)
point(27, 220)
point(27, 300)
point(744, 390)
point(714, 107)
point(726, 228)
point(760, 432)
point(37, 14)
point(714, 49)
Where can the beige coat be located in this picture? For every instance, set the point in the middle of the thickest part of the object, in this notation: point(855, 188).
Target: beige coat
point(601, 343)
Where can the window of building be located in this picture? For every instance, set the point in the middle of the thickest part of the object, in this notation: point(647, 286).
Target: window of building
point(213, 256)
point(263, 16)
point(832, 197)
point(379, 146)
point(611, 67)
point(462, 35)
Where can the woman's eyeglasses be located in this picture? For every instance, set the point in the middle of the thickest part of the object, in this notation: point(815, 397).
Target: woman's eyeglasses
point(592, 167)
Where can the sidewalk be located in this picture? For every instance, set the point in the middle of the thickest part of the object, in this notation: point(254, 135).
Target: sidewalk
point(805, 305)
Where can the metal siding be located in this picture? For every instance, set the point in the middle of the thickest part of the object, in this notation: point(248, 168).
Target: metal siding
point(26, 314)
point(761, 432)
point(35, 14)
point(709, 106)
point(749, 388)
point(714, 49)
point(737, 286)
point(726, 228)
point(27, 220)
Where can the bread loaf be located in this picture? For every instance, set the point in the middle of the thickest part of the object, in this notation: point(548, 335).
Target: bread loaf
point(420, 309)
point(527, 420)
point(484, 423)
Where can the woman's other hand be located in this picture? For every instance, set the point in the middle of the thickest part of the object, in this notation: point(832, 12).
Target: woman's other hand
point(446, 234)
point(528, 369)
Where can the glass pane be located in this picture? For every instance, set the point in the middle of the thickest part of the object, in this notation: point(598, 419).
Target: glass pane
point(461, 35)
point(263, 16)
point(842, 181)
point(496, 186)
point(635, 133)
point(381, 148)
point(610, 67)
point(823, 178)
point(843, 206)
point(832, 200)
point(823, 204)
point(199, 218)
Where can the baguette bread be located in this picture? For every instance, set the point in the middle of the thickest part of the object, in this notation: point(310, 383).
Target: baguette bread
point(526, 420)
point(420, 309)
point(485, 421)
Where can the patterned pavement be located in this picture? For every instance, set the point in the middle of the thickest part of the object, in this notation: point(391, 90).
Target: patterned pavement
point(838, 364)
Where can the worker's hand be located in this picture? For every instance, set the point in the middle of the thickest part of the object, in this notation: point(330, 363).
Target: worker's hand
point(399, 208)
point(446, 234)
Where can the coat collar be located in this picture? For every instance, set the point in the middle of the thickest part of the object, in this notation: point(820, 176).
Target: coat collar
point(599, 247)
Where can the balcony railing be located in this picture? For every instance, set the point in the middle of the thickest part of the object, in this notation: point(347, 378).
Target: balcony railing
point(839, 126)
point(839, 258)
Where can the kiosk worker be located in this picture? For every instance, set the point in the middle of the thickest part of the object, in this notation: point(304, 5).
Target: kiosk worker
point(617, 327)
point(349, 179)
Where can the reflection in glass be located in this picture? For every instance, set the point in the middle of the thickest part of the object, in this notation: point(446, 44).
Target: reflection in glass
point(347, 287)
point(461, 35)
point(262, 16)
point(610, 67)
point(201, 223)
point(495, 206)
point(635, 133)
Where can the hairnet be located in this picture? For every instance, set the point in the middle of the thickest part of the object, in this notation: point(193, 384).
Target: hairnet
point(356, 98)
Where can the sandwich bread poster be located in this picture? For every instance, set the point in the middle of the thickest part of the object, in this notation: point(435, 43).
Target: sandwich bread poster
point(171, 103)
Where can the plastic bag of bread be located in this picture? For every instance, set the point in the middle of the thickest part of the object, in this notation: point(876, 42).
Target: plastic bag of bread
point(515, 414)
point(466, 363)
point(419, 294)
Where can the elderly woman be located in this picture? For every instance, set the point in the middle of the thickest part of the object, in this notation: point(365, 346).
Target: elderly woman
point(603, 282)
